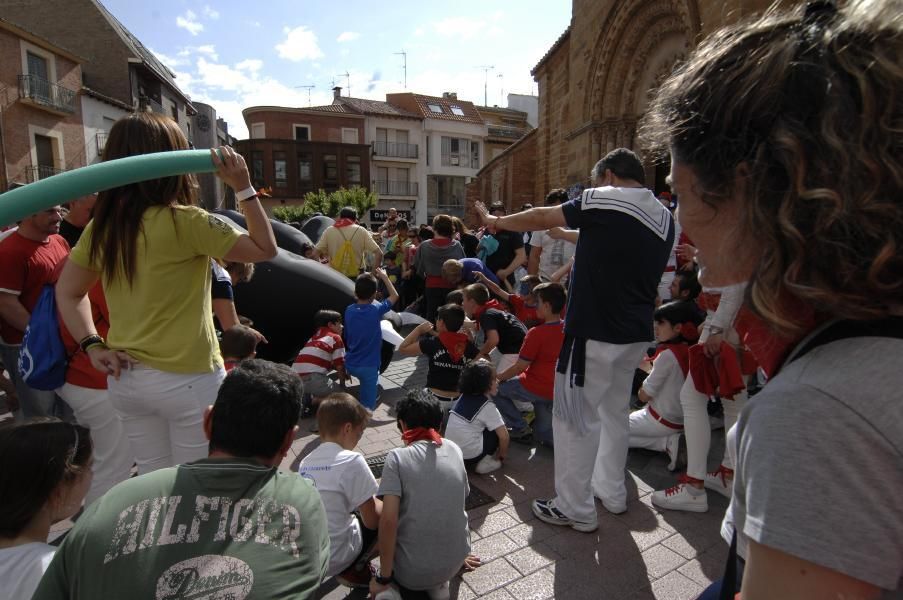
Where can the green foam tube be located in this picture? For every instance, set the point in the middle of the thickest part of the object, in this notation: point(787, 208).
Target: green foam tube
point(69, 185)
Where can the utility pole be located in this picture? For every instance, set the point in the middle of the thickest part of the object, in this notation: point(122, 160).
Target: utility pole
point(404, 56)
point(486, 69)
point(308, 88)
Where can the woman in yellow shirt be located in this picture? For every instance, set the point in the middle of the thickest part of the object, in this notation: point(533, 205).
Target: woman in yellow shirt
point(151, 248)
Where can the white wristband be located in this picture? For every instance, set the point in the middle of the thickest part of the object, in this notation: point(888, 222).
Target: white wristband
point(245, 194)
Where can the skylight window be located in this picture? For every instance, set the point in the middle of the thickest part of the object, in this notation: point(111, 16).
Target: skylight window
point(457, 110)
point(435, 108)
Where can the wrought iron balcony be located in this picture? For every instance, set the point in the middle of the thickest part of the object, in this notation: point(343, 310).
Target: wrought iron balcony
point(396, 150)
point(41, 172)
point(50, 95)
point(396, 188)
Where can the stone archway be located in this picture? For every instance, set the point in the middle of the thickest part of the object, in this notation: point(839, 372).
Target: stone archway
point(639, 43)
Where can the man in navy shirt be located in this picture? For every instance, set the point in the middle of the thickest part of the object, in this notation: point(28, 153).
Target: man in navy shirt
point(625, 239)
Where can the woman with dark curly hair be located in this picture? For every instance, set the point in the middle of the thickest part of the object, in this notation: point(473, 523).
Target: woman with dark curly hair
point(785, 140)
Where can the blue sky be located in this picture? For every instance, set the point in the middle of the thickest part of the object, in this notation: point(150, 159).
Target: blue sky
point(233, 54)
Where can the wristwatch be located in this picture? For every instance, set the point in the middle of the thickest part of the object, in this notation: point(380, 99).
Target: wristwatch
point(384, 580)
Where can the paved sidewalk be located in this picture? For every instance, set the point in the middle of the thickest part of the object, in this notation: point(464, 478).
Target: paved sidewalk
point(642, 554)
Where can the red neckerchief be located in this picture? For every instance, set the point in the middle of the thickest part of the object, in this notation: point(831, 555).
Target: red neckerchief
point(230, 364)
point(442, 242)
point(343, 223)
point(455, 343)
point(769, 349)
point(421, 433)
point(481, 309)
point(719, 374)
point(681, 352)
point(323, 332)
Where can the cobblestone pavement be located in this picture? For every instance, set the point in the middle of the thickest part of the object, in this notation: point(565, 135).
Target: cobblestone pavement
point(642, 554)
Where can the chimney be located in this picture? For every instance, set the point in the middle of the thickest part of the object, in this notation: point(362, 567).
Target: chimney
point(336, 91)
point(450, 95)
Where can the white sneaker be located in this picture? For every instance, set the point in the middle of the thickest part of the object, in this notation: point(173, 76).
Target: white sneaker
point(678, 497)
point(488, 464)
point(721, 481)
point(673, 449)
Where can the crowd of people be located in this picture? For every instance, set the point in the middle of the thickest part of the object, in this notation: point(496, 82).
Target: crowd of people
point(546, 326)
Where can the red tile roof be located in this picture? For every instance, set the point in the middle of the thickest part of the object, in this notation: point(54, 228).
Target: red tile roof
point(471, 114)
point(374, 108)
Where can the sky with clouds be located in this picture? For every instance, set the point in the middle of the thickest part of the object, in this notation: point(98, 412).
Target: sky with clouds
point(234, 54)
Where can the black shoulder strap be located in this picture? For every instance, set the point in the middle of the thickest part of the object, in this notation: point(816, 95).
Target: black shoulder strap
point(890, 327)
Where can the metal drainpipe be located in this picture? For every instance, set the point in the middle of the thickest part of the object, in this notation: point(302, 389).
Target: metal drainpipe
point(3, 137)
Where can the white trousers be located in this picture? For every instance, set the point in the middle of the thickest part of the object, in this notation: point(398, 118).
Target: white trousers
point(593, 462)
point(646, 432)
point(698, 428)
point(664, 286)
point(112, 454)
point(163, 413)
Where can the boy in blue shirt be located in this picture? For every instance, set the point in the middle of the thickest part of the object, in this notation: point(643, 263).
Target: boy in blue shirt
point(363, 334)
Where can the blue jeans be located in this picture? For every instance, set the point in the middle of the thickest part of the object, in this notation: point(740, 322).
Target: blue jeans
point(32, 402)
point(512, 390)
point(369, 377)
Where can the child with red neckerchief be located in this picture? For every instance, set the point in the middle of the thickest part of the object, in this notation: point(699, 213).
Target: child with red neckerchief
point(659, 425)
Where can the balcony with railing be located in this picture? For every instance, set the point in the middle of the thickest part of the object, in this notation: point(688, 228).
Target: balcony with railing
point(395, 150)
point(40, 92)
point(101, 138)
point(396, 188)
point(41, 172)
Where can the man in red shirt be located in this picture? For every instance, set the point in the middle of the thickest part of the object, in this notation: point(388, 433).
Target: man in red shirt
point(27, 261)
point(532, 378)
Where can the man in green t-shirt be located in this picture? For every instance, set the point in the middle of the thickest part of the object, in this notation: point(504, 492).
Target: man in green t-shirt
point(228, 526)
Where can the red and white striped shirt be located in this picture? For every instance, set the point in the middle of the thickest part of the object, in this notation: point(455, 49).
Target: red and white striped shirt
point(322, 353)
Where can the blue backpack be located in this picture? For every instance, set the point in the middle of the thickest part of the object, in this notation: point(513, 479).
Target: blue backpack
point(43, 359)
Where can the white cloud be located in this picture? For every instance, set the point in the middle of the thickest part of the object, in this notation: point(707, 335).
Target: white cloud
point(209, 50)
point(189, 23)
point(210, 13)
point(249, 64)
point(169, 61)
point(348, 36)
point(300, 43)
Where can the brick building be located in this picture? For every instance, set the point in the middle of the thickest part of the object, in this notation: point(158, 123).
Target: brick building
point(116, 64)
point(293, 151)
point(40, 114)
point(594, 84)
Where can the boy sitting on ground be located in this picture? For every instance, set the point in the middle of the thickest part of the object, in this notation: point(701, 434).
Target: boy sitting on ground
point(237, 344)
point(659, 424)
point(503, 332)
point(523, 306)
point(347, 488)
point(364, 334)
point(323, 352)
point(464, 271)
point(447, 349)
point(532, 378)
point(475, 423)
point(424, 538)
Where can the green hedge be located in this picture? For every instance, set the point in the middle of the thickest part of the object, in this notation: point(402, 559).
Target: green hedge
point(328, 204)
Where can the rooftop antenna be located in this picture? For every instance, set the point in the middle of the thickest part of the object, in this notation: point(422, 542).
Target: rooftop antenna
point(501, 77)
point(486, 69)
point(347, 77)
point(308, 88)
point(404, 56)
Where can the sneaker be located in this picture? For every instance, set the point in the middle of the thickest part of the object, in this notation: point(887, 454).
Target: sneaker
point(615, 509)
point(679, 497)
point(355, 577)
point(676, 448)
point(488, 464)
point(521, 436)
point(721, 481)
point(547, 512)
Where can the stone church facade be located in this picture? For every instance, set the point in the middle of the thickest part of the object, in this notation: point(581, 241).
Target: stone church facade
point(594, 85)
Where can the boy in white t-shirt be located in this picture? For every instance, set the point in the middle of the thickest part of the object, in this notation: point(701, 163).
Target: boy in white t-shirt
point(659, 425)
point(475, 424)
point(347, 488)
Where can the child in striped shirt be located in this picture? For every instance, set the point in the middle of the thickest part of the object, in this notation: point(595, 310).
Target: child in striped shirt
point(323, 352)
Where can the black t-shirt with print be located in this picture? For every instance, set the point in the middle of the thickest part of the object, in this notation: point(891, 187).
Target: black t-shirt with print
point(511, 331)
point(509, 243)
point(444, 372)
